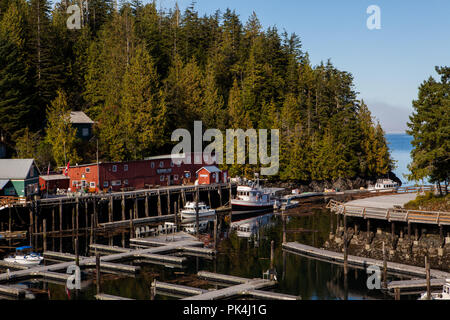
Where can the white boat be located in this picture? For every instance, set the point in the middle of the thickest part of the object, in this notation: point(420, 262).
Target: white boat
point(203, 210)
point(384, 184)
point(252, 198)
point(23, 257)
point(444, 295)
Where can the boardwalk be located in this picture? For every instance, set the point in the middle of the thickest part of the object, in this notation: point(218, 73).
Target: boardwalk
point(304, 250)
point(384, 202)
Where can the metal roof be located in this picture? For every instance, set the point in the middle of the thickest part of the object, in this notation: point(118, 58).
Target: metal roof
point(80, 117)
point(54, 177)
point(15, 168)
point(3, 183)
point(210, 169)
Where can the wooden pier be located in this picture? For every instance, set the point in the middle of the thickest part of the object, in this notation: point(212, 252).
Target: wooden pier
point(398, 268)
point(390, 214)
point(240, 287)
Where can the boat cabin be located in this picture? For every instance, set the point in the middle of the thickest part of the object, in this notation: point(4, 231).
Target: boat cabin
point(250, 194)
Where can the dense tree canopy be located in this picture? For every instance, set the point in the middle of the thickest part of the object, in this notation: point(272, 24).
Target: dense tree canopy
point(140, 73)
point(430, 127)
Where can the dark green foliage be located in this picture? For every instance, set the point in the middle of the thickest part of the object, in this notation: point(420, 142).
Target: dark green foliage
point(140, 73)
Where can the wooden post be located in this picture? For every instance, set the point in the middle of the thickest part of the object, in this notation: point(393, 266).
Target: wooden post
point(77, 257)
point(409, 230)
point(169, 208)
point(197, 222)
point(10, 220)
point(384, 267)
point(73, 220)
point(356, 229)
point(283, 217)
point(183, 197)
point(397, 293)
point(131, 223)
point(220, 195)
point(427, 267)
point(45, 235)
point(441, 236)
point(215, 231)
point(31, 221)
point(345, 253)
point(95, 222)
point(136, 213)
point(146, 205)
point(110, 208)
point(368, 230)
point(30, 231)
point(392, 231)
point(97, 268)
point(272, 254)
point(60, 216)
point(86, 215)
point(92, 228)
point(230, 196)
point(122, 206)
point(175, 213)
point(209, 198)
point(77, 217)
point(153, 290)
point(159, 203)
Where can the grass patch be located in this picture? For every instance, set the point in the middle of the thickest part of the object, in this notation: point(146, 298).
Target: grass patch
point(430, 202)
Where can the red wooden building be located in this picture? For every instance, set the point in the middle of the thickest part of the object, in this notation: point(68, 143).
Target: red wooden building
point(211, 174)
point(53, 182)
point(131, 175)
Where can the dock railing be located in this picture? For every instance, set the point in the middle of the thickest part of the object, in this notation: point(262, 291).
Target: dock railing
point(393, 214)
point(8, 200)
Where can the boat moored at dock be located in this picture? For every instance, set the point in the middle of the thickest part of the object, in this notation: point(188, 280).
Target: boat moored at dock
point(24, 256)
point(252, 198)
point(203, 210)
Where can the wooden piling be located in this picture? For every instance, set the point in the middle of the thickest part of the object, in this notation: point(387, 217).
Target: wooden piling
point(384, 267)
point(146, 205)
point(220, 195)
point(97, 267)
point(44, 236)
point(272, 255)
point(159, 203)
point(77, 214)
point(197, 222)
point(60, 216)
point(283, 217)
point(215, 231)
point(230, 196)
point(10, 220)
point(169, 207)
point(427, 268)
point(110, 209)
point(345, 253)
point(92, 228)
point(136, 208)
point(122, 206)
point(209, 198)
point(77, 257)
point(86, 215)
point(153, 290)
point(397, 293)
point(409, 230)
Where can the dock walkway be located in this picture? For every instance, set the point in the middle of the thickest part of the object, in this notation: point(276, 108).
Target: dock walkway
point(305, 250)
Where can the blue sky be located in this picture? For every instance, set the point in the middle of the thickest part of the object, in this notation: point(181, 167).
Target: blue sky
point(388, 64)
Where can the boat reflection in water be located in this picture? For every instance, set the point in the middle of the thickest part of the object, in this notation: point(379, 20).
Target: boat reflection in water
point(248, 228)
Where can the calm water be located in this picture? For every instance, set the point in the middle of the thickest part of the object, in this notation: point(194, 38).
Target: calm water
point(400, 146)
point(245, 257)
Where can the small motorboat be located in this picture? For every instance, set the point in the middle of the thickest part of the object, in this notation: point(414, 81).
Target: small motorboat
point(192, 227)
point(444, 295)
point(203, 210)
point(25, 256)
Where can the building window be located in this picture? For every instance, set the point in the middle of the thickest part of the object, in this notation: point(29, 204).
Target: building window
point(125, 182)
point(105, 184)
point(175, 177)
point(172, 164)
point(85, 132)
point(197, 159)
point(92, 184)
point(152, 165)
point(88, 169)
point(116, 183)
point(161, 178)
point(125, 167)
point(114, 168)
point(161, 164)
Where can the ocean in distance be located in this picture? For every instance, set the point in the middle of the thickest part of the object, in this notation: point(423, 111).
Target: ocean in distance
point(400, 147)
